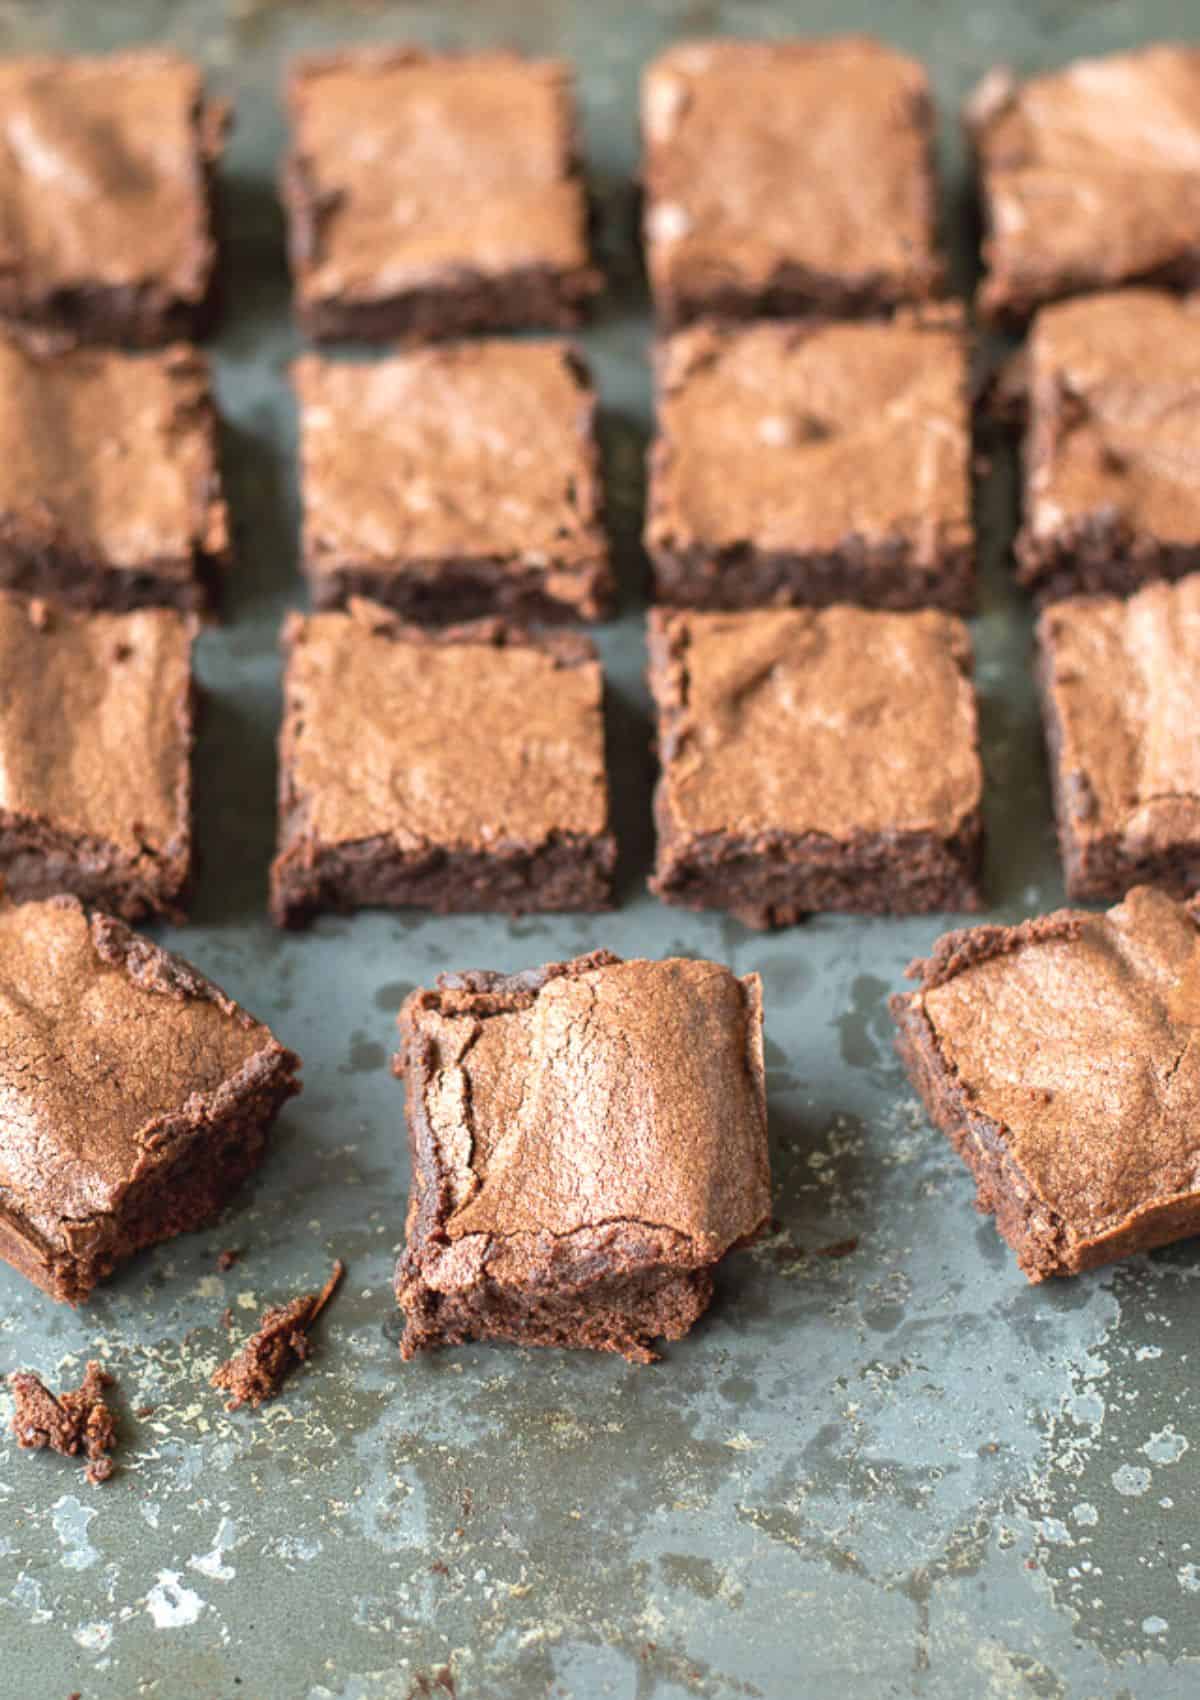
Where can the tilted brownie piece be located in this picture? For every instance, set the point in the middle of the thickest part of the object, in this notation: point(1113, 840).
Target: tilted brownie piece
point(588, 1141)
point(1120, 688)
point(96, 731)
point(1087, 178)
point(814, 463)
point(457, 770)
point(1112, 482)
point(785, 177)
point(454, 482)
point(815, 759)
point(135, 1097)
point(433, 194)
point(1060, 1059)
point(110, 493)
point(106, 196)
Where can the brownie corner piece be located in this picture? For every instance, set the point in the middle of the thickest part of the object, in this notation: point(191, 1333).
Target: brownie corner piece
point(432, 195)
point(815, 759)
point(1059, 1058)
point(1119, 682)
point(107, 196)
point(457, 770)
point(588, 1142)
point(456, 482)
point(788, 177)
point(758, 495)
point(1082, 178)
point(1113, 412)
point(138, 1095)
point(97, 719)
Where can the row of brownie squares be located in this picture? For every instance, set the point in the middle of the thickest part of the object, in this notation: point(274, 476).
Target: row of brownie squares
point(794, 463)
point(431, 194)
point(811, 759)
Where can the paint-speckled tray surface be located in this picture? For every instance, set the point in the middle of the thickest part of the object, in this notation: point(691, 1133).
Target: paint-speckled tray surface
point(898, 1472)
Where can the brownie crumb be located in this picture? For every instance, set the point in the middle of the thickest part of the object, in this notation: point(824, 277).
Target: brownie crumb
point(227, 1259)
point(227, 1318)
point(75, 1422)
point(257, 1372)
point(839, 1248)
point(145, 1410)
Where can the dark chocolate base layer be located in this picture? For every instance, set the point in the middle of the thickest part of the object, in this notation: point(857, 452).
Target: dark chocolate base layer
point(872, 577)
point(62, 575)
point(456, 591)
point(1096, 558)
point(536, 298)
point(566, 873)
point(36, 861)
point(796, 293)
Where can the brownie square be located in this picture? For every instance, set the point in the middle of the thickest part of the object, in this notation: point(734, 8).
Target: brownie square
point(588, 1141)
point(109, 487)
point(455, 482)
point(433, 194)
point(455, 771)
point(785, 177)
point(106, 196)
point(1088, 178)
point(96, 732)
point(815, 759)
point(1120, 689)
point(1060, 1059)
point(813, 463)
point(136, 1096)
point(1111, 497)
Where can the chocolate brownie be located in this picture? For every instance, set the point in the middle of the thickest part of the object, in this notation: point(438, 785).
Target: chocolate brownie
point(785, 177)
point(1112, 481)
point(75, 1421)
point(106, 196)
point(1120, 687)
point(256, 1374)
point(454, 482)
point(588, 1141)
point(815, 759)
point(96, 731)
point(457, 770)
point(136, 1095)
point(814, 463)
point(1087, 178)
point(1059, 1058)
point(433, 194)
point(109, 487)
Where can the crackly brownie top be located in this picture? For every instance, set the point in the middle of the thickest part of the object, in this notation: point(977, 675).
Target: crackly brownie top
point(1089, 174)
point(837, 721)
point(110, 1049)
point(809, 436)
point(1077, 1035)
point(764, 158)
point(409, 166)
point(1115, 415)
point(102, 173)
point(592, 1092)
point(110, 456)
point(475, 449)
point(1124, 683)
point(95, 728)
point(478, 737)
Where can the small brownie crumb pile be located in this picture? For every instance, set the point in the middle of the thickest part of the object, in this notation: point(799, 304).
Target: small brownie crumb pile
point(74, 1422)
point(258, 1371)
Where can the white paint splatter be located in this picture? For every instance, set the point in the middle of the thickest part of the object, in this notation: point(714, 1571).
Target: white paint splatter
point(1154, 1626)
point(94, 1637)
point(1085, 1514)
point(213, 1563)
point(1145, 1352)
point(1051, 1529)
point(1166, 1447)
point(71, 1519)
point(1189, 1578)
point(1131, 1480)
point(170, 1604)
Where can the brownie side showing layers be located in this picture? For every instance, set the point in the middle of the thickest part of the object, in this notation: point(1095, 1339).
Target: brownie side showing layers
point(1059, 1058)
point(815, 759)
point(788, 177)
point(455, 482)
point(588, 1142)
point(814, 463)
point(110, 493)
point(1112, 489)
point(107, 196)
point(1120, 690)
point(435, 195)
point(97, 719)
point(457, 770)
point(137, 1095)
point(1087, 178)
